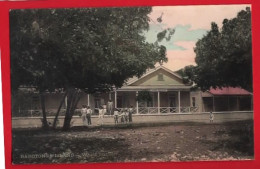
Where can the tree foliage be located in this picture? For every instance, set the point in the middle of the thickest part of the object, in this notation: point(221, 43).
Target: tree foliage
point(83, 48)
point(92, 49)
point(224, 56)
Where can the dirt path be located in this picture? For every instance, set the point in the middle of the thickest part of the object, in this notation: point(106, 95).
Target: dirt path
point(189, 142)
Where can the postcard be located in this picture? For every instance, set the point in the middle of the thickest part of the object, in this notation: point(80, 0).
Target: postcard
point(98, 84)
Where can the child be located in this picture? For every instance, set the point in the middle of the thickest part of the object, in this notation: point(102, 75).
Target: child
point(126, 115)
point(122, 116)
point(116, 116)
point(104, 109)
point(100, 115)
point(211, 117)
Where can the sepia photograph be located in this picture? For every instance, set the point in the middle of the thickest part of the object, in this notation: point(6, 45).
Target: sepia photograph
point(131, 84)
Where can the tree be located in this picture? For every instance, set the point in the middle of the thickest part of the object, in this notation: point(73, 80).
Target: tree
point(224, 56)
point(91, 49)
point(188, 74)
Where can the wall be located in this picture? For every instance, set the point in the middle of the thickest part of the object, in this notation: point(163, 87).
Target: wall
point(198, 100)
point(227, 103)
point(219, 117)
point(185, 99)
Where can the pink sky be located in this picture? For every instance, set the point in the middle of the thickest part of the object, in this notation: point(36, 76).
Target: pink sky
point(199, 18)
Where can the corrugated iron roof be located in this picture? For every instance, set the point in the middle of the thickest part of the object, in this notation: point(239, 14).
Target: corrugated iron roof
point(229, 91)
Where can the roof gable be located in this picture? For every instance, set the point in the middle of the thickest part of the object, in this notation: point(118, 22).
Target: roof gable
point(167, 77)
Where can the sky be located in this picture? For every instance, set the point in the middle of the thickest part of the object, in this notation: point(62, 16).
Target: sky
point(190, 23)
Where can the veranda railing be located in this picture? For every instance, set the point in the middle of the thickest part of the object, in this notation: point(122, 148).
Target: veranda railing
point(163, 110)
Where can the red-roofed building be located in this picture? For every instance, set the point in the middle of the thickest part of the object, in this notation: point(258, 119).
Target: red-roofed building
point(229, 91)
point(166, 90)
point(224, 99)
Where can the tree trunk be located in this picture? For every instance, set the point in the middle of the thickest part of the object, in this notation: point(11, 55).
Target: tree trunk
point(66, 124)
point(73, 99)
point(77, 98)
point(58, 111)
point(45, 124)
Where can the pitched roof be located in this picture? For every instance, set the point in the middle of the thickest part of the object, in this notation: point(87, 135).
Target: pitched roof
point(134, 79)
point(229, 91)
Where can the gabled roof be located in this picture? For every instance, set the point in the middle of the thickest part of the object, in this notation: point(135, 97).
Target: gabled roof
point(149, 81)
point(228, 91)
point(135, 79)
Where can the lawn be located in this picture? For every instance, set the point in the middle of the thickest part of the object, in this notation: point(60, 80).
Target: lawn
point(171, 142)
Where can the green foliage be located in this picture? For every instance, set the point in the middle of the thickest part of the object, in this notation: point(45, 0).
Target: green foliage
point(161, 35)
point(91, 48)
point(224, 56)
point(165, 34)
point(188, 74)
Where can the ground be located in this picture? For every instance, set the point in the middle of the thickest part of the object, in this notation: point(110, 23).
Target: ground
point(125, 143)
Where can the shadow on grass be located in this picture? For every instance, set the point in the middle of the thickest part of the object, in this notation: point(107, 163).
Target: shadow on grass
point(67, 149)
point(235, 138)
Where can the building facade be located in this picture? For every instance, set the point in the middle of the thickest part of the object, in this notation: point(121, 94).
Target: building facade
point(166, 92)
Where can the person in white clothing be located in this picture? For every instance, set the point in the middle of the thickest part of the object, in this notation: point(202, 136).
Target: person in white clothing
point(122, 115)
point(83, 114)
point(101, 115)
point(110, 107)
point(211, 117)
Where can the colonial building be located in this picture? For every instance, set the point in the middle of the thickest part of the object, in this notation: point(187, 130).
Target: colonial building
point(166, 92)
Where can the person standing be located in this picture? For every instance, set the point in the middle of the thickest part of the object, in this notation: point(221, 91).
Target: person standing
point(116, 114)
point(104, 109)
point(110, 107)
point(130, 112)
point(89, 112)
point(126, 115)
point(101, 115)
point(122, 116)
point(211, 117)
point(83, 114)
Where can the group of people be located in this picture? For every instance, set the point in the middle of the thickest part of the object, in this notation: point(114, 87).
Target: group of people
point(123, 115)
point(120, 115)
point(86, 115)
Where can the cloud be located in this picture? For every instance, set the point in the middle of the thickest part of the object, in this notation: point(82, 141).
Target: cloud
point(190, 23)
point(198, 16)
point(182, 33)
point(178, 59)
point(185, 33)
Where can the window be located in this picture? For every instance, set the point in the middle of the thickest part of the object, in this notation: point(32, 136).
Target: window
point(160, 77)
point(193, 102)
